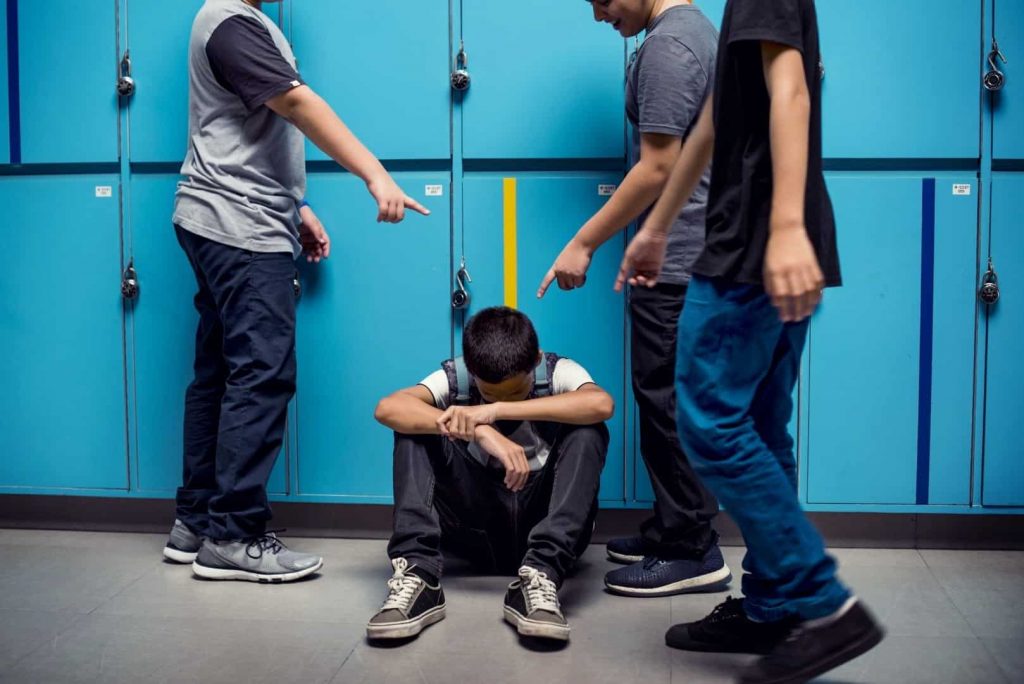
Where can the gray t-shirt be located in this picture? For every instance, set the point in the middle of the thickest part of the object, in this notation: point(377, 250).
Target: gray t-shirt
point(245, 166)
point(669, 77)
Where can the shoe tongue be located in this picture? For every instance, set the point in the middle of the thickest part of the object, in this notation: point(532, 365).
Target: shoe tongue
point(427, 577)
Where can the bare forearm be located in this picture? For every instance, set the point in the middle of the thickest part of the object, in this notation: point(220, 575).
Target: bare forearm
point(408, 415)
point(315, 118)
point(574, 408)
point(788, 128)
point(638, 190)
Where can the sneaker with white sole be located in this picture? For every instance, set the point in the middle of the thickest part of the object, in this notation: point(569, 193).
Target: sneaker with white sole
point(655, 576)
point(182, 544)
point(415, 600)
point(260, 559)
point(531, 605)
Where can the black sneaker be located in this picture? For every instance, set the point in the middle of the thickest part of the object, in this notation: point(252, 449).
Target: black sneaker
point(728, 630)
point(809, 652)
point(411, 605)
point(629, 549)
point(531, 605)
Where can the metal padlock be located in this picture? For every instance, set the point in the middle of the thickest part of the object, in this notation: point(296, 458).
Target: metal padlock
point(460, 295)
point(989, 292)
point(460, 76)
point(994, 79)
point(125, 82)
point(129, 283)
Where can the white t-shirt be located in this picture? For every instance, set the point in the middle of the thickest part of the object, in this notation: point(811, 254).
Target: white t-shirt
point(568, 376)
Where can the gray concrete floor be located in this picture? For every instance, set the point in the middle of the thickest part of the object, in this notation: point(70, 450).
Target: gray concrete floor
point(101, 607)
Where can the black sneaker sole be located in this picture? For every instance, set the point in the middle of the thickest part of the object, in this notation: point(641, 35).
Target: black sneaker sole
point(705, 647)
point(853, 650)
point(406, 628)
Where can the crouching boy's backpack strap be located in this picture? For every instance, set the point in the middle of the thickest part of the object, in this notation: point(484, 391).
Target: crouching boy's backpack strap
point(462, 389)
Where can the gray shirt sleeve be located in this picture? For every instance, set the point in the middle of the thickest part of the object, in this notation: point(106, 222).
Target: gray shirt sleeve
point(671, 86)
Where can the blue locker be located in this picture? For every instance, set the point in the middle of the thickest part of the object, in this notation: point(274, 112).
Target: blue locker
point(902, 84)
point(384, 68)
point(63, 408)
point(158, 116)
point(163, 322)
point(554, 93)
point(891, 352)
point(374, 318)
point(1008, 104)
point(1003, 478)
point(587, 325)
point(68, 74)
point(5, 137)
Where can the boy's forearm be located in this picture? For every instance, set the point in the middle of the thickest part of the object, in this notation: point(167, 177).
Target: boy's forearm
point(408, 415)
point(582, 407)
point(689, 168)
point(315, 118)
point(638, 190)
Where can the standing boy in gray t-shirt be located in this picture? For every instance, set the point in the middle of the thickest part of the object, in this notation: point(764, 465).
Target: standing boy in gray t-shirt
point(669, 78)
point(242, 219)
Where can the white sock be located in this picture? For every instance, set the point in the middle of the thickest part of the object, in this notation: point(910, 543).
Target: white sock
point(829, 619)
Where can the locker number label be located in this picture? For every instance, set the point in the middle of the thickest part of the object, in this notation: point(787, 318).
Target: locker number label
point(606, 190)
point(104, 191)
point(961, 188)
point(435, 190)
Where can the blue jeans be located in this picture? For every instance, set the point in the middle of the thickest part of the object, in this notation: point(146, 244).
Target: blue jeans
point(736, 369)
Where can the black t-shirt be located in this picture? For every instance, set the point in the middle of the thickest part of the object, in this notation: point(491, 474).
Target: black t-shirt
point(740, 197)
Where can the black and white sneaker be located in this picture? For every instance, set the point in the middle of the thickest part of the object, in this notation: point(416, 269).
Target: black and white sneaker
point(412, 604)
point(182, 544)
point(531, 605)
point(812, 650)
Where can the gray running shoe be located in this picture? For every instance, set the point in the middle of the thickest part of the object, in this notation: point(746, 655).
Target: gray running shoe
point(182, 544)
point(260, 559)
point(411, 605)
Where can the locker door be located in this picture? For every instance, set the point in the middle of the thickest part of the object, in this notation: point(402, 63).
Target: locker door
point(63, 408)
point(68, 73)
point(383, 66)
point(553, 93)
point(1003, 478)
point(374, 318)
point(508, 252)
point(891, 352)
point(158, 115)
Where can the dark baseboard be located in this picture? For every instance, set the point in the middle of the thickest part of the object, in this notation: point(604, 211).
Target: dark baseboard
point(878, 530)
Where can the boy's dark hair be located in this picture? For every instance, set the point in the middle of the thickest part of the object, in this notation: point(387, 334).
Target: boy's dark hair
point(498, 343)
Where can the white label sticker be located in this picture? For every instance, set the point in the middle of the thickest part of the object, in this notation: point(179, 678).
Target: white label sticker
point(104, 191)
point(961, 188)
point(606, 190)
point(435, 190)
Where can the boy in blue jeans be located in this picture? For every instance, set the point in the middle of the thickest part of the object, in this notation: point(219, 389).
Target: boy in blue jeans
point(770, 251)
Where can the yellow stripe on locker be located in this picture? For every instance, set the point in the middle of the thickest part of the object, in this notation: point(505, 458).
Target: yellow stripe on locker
point(511, 266)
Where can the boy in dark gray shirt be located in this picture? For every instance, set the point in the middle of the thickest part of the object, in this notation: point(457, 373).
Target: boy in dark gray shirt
point(242, 220)
point(668, 80)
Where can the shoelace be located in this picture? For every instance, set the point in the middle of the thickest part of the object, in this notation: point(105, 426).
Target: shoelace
point(541, 593)
point(265, 542)
point(650, 562)
point(724, 610)
point(401, 586)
